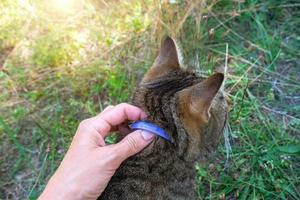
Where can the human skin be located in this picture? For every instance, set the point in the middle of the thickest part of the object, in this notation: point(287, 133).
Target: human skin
point(89, 163)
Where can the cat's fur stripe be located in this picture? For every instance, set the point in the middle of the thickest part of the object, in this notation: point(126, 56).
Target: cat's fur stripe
point(193, 111)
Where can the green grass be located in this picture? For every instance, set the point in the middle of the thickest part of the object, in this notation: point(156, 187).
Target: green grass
point(57, 69)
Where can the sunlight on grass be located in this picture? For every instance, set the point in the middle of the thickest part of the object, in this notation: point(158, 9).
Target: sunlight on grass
point(63, 5)
point(64, 60)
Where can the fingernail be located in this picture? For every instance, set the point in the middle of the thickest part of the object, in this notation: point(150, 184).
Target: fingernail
point(147, 135)
point(143, 116)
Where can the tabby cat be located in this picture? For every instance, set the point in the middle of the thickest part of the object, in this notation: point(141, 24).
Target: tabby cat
point(192, 110)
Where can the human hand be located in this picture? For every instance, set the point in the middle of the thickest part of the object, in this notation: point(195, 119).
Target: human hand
point(89, 164)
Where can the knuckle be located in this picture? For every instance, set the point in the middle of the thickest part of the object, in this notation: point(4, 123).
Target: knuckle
point(114, 155)
point(85, 123)
point(109, 107)
point(133, 144)
point(123, 104)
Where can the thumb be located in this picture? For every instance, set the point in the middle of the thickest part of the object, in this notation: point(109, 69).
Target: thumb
point(133, 143)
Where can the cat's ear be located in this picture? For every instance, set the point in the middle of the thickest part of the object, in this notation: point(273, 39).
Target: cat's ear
point(198, 98)
point(166, 61)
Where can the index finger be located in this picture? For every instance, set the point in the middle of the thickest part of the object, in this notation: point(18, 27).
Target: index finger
point(120, 113)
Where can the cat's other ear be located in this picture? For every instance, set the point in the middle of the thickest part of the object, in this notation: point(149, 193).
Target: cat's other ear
point(197, 99)
point(166, 61)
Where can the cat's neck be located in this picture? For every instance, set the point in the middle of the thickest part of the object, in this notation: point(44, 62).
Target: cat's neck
point(153, 174)
point(161, 158)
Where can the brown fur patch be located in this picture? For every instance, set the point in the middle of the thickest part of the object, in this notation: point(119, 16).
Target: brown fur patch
point(166, 61)
point(192, 110)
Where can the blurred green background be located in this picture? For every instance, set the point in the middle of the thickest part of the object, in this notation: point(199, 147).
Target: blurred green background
point(62, 61)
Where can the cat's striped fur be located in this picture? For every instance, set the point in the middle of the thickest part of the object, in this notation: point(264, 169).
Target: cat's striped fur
point(193, 112)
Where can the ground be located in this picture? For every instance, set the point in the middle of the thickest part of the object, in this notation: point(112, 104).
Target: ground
point(63, 62)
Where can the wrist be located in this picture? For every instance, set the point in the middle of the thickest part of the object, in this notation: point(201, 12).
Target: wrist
point(60, 190)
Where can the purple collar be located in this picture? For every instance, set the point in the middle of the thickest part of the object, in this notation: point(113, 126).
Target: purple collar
point(147, 126)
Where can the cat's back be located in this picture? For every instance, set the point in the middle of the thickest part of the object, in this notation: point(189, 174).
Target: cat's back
point(152, 176)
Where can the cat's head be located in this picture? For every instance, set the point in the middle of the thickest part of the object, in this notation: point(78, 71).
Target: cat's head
point(192, 109)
